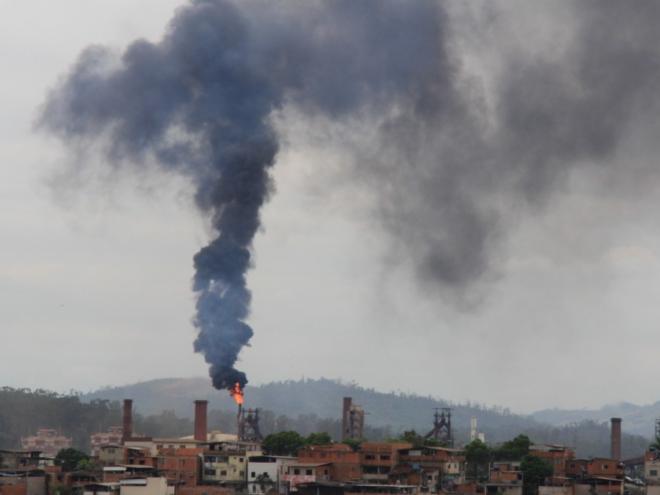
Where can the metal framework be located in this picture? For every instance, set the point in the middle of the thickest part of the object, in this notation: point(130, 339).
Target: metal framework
point(442, 427)
point(248, 425)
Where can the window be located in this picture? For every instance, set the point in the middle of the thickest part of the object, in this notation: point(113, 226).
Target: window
point(253, 474)
point(370, 457)
point(296, 471)
point(653, 472)
point(325, 471)
point(308, 472)
point(240, 459)
point(223, 473)
point(209, 472)
point(385, 457)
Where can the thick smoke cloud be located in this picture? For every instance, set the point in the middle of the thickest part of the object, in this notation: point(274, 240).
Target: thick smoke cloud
point(448, 155)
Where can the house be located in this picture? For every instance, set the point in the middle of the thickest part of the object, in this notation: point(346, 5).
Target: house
point(505, 478)
point(180, 466)
point(113, 474)
point(227, 462)
point(23, 482)
point(305, 472)
point(48, 441)
point(652, 467)
point(557, 456)
point(112, 436)
point(427, 466)
point(378, 460)
point(337, 488)
point(265, 472)
point(345, 462)
point(20, 459)
point(111, 454)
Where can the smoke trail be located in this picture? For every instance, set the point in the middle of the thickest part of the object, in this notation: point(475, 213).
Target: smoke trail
point(193, 102)
point(449, 156)
point(199, 102)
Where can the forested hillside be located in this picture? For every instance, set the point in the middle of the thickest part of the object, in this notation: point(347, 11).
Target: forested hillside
point(637, 419)
point(315, 405)
point(164, 408)
point(23, 411)
point(322, 398)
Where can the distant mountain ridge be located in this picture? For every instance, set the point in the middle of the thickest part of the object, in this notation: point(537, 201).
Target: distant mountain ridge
point(638, 420)
point(321, 397)
point(398, 411)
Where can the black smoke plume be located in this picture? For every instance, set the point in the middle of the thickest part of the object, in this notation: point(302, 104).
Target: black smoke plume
point(450, 158)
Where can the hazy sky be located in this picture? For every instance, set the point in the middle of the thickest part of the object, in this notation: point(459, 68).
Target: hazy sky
point(95, 278)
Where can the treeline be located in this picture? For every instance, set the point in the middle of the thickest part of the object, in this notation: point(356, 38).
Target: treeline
point(23, 411)
point(589, 438)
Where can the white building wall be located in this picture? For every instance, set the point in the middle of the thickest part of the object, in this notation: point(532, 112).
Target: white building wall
point(145, 486)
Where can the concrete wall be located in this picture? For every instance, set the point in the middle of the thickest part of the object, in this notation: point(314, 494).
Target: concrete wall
point(19, 485)
point(36, 485)
point(152, 486)
point(556, 490)
point(652, 470)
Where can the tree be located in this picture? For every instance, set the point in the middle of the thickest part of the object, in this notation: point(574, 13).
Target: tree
point(656, 444)
point(513, 450)
point(412, 437)
point(87, 464)
point(477, 457)
point(535, 470)
point(432, 442)
point(283, 443)
point(321, 438)
point(353, 443)
point(70, 458)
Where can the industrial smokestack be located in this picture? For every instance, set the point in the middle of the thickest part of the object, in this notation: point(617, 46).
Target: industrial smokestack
point(345, 418)
point(127, 421)
point(615, 436)
point(200, 420)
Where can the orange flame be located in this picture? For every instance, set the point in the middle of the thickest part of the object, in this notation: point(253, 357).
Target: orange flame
point(237, 393)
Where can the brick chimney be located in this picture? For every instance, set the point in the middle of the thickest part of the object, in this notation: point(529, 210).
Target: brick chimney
point(345, 417)
point(615, 436)
point(200, 420)
point(127, 422)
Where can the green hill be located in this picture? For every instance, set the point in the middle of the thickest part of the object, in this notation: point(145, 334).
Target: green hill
point(307, 404)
